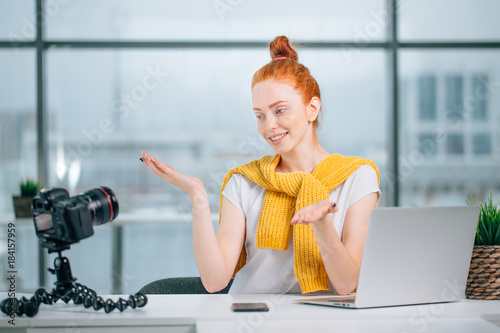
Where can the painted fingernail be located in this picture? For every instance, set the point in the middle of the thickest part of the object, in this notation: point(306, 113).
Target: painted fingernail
point(141, 159)
point(334, 205)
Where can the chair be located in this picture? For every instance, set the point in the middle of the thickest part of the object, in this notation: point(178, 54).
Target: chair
point(179, 285)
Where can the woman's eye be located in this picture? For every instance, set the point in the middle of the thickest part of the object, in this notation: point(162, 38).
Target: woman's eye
point(259, 116)
point(280, 111)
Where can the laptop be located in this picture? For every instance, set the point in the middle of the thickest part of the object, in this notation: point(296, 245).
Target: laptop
point(412, 256)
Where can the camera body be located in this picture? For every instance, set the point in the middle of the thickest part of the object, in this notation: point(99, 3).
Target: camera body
point(63, 220)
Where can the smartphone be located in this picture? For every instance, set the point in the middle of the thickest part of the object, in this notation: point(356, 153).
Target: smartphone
point(238, 307)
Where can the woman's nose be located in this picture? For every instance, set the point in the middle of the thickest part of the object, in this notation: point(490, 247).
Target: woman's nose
point(271, 123)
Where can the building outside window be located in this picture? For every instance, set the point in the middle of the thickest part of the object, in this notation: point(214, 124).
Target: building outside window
point(427, 97)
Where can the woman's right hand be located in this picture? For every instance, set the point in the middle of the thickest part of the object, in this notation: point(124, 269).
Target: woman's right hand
point(189, 184)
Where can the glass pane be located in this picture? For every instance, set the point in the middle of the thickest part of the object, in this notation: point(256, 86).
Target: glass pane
point(152, 262)
point(479, 82)
point(454, 97)
point(426, 144)
point(218, 20)
point(193, 116)
point(454, 144)
point(18, 157)
point(427, 97)
point(354, 105)
point(481, 144)
point(454, 155)
point(461, 20)
point(17, 20)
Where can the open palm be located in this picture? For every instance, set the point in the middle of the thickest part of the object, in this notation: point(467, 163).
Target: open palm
point(187, 183)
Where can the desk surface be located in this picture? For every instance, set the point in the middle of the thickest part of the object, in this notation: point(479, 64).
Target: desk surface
point(212, 313)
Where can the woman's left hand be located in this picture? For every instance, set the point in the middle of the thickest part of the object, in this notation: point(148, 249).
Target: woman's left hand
point(314, 213)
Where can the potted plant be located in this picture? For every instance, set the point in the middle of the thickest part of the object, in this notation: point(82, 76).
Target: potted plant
point(484, 272)
point(22, 204)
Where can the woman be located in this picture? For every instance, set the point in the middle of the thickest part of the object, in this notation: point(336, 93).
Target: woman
point(290, 223)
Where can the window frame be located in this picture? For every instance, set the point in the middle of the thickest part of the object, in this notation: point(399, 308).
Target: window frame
point(392, 46)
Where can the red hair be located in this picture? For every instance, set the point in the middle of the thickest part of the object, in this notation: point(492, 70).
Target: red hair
point(289, 71)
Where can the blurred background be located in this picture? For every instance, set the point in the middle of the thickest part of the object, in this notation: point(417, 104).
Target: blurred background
point(86, 85)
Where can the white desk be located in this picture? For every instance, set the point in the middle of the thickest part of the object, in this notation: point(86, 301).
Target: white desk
point(212, 313)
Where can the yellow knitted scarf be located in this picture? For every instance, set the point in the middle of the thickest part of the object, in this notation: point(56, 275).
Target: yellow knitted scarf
point(287, 193)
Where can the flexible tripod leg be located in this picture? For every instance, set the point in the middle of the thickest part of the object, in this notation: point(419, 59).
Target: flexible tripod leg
point(67, 289)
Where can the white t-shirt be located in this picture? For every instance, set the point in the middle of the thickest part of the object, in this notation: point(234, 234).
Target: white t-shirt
point(270, 270)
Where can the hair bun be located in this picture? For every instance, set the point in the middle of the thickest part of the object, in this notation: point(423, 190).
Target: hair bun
point(280, 47)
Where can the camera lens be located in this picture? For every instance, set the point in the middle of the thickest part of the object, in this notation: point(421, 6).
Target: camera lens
point(102, 204)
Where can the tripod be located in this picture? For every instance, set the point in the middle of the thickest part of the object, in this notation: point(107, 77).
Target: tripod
point(66, 289)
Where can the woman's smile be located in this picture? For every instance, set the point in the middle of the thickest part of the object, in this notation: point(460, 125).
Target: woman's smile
point(277, 139)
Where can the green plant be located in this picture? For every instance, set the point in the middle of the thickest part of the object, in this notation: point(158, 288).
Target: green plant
point(29, 187)
point(488, 226)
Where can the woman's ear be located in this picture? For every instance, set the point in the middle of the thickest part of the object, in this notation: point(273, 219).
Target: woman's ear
point(313, 109)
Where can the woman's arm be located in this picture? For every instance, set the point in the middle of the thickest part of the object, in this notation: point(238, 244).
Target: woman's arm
point(216, 254)
point(342, 259)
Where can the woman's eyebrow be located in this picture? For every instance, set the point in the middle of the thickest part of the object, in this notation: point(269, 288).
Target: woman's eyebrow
point(271, 105)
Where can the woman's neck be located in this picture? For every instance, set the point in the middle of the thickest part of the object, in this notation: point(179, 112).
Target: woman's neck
point(301, 161)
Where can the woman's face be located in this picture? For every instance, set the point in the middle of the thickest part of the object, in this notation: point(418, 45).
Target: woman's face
point(283, 119)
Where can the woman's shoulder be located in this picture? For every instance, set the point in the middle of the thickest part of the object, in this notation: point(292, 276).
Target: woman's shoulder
point(242, 182)
point(361, 182)
point(242, 192)
point(365, 171)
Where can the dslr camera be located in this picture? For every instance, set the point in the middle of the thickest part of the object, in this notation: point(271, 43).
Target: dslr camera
point(61, 220)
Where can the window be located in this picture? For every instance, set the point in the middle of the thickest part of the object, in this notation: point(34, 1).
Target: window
point(427, 97)
point(218, 20)
point(480, 93)
point(18, 156)
point(18, 142)
point(481, 144)
point(454, 97)
point(467, 84)
point(464, 20)
point(173, 77)
point(17, 21)
point(427, 144)
point(455, 144)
